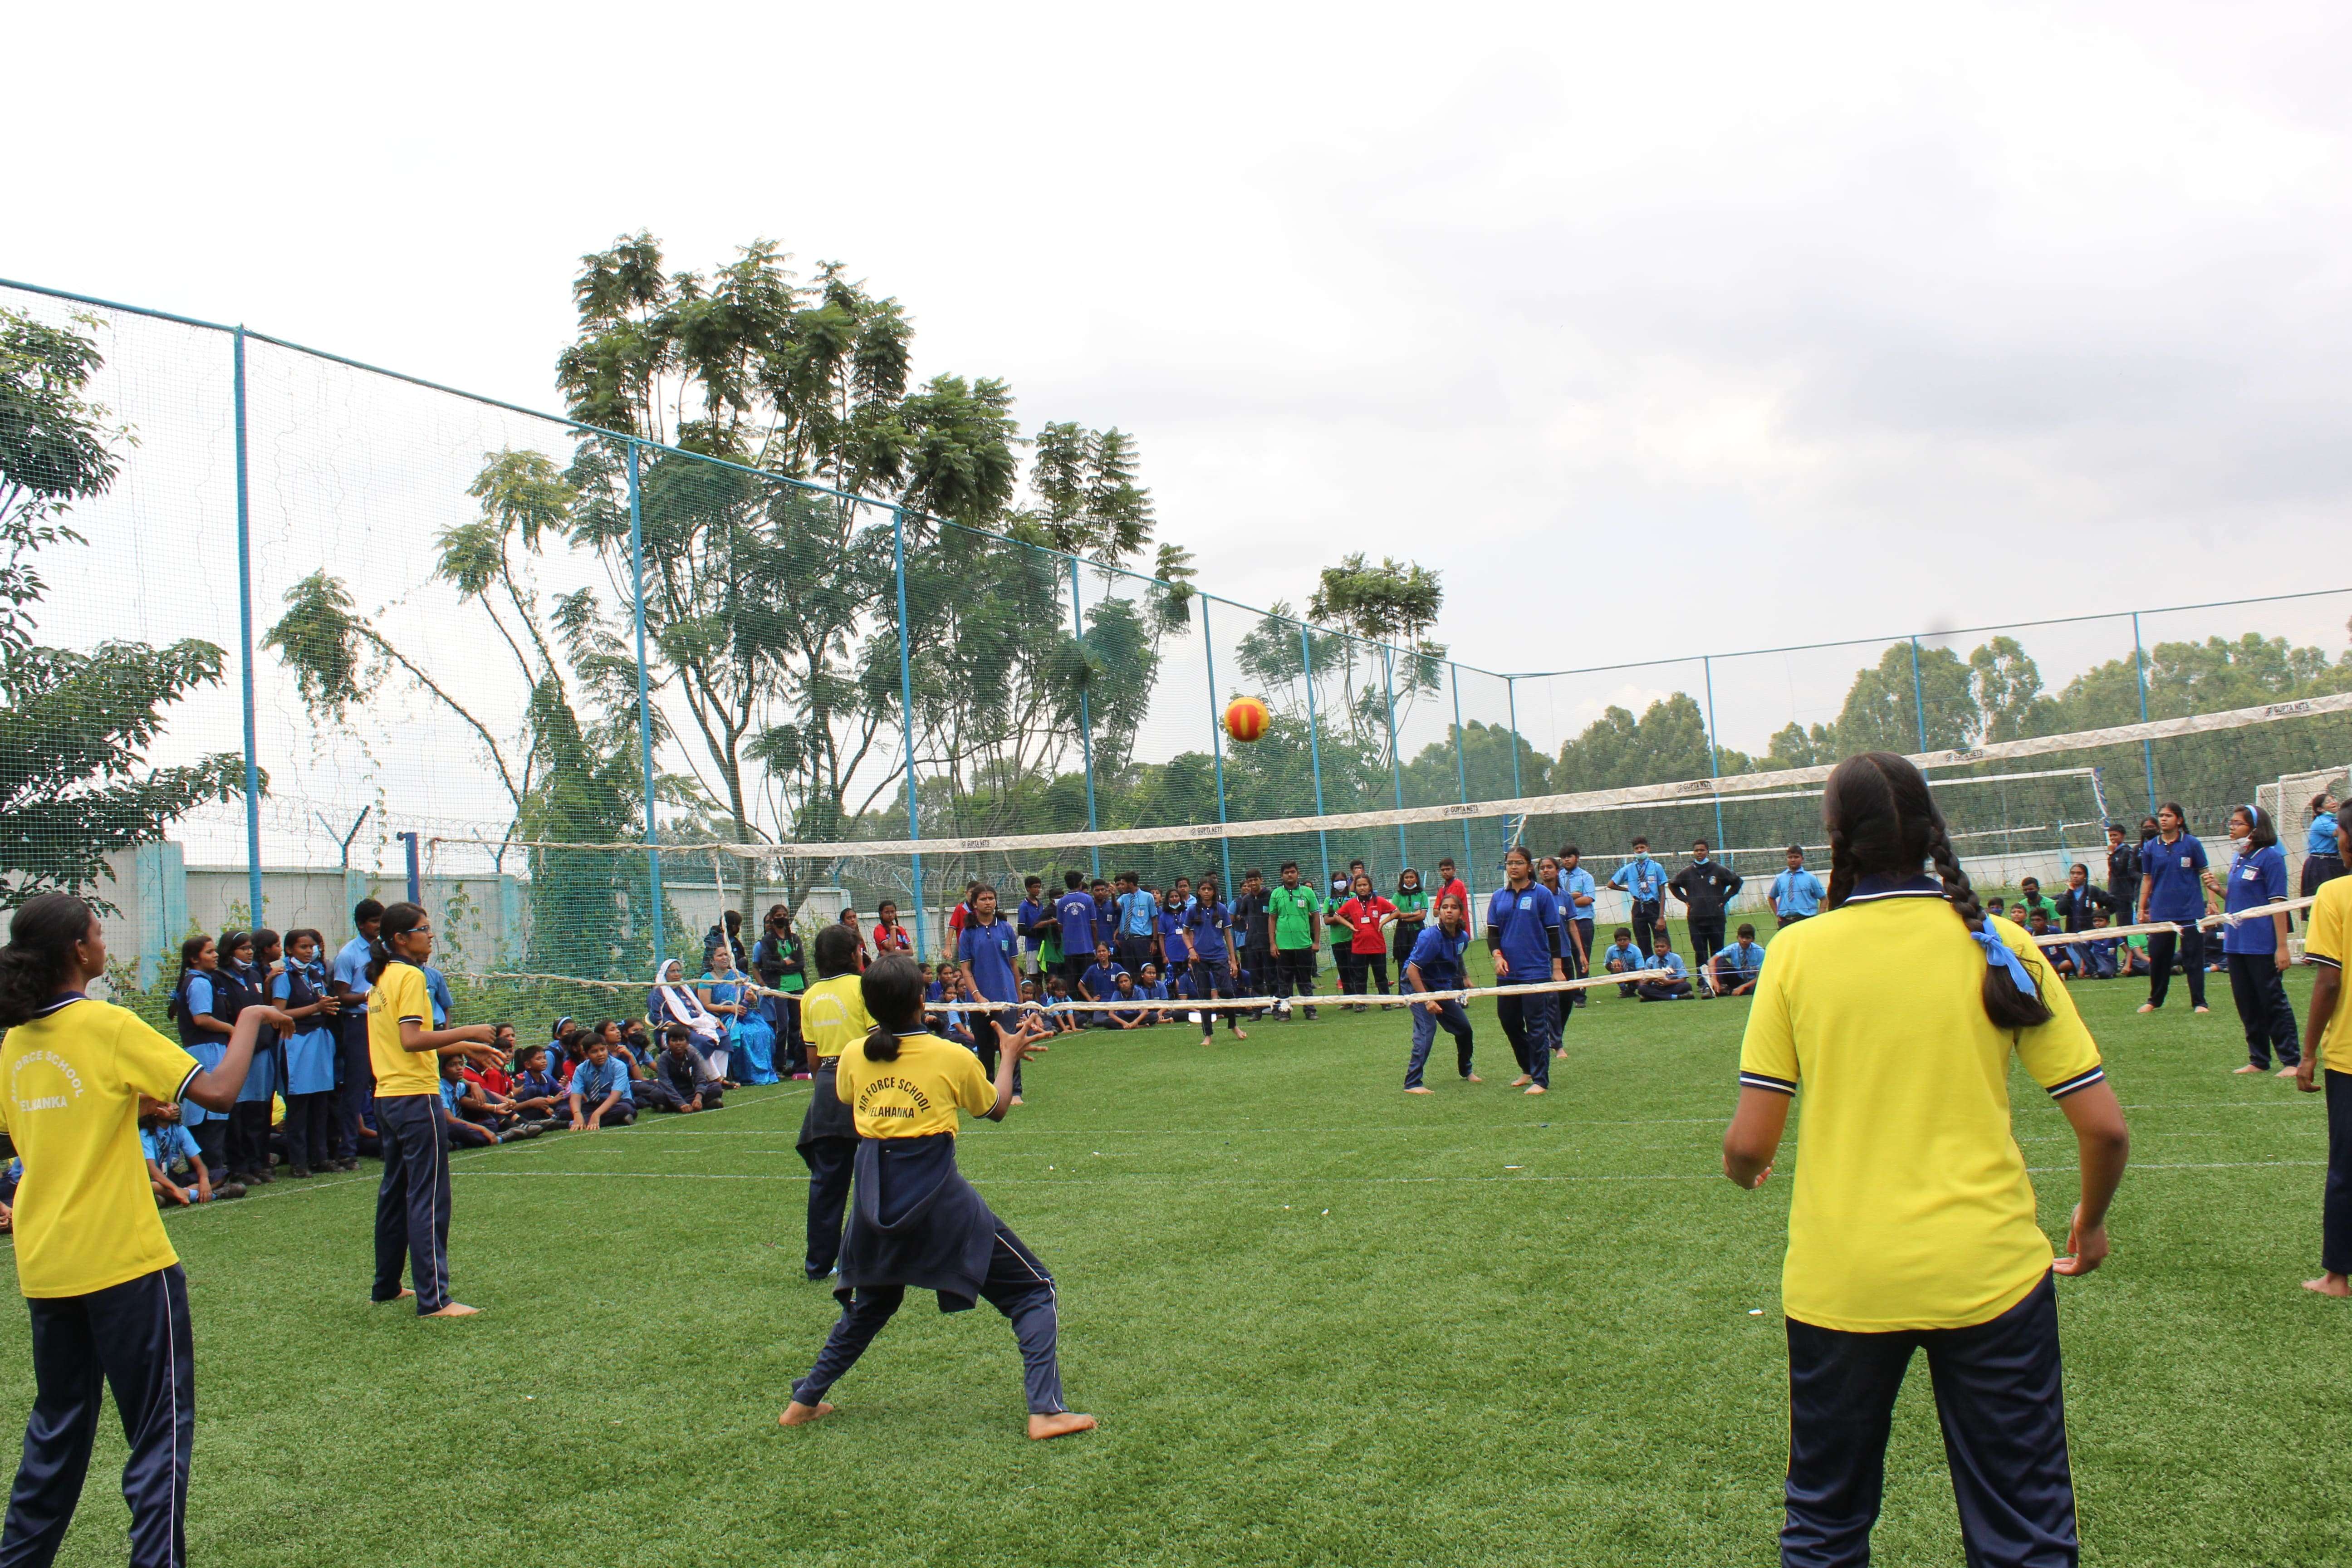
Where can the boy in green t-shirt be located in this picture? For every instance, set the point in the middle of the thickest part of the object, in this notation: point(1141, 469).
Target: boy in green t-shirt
point(1295, 913)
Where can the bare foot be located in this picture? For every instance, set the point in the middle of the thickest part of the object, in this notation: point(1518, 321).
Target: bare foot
point(1538, 1089)
point(1472, 1078)
point(2329, 1285)
point(455, 1310)
point(2148, 1006)
point(799, 1415)
point(2201, 1010)
point(2284, 1072)
point(2248, 1067)
point(1239, 1034)
point(1420, 1089)
point(404, 1294)
point(1016, 1100)
point(1521, 1081)
point(1044, 1427)
point(1560, 1056)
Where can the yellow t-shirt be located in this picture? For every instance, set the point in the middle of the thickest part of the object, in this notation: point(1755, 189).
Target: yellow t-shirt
point(918, 1094)
point(86, 1217)
point(400, 996)
point(2329, 941)
point(834, 1015)
point(1912, 1208)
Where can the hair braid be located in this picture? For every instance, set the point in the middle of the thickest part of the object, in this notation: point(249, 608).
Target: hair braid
point(1841, 869)
point(2004, 1004)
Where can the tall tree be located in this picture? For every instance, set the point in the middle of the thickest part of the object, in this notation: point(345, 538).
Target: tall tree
point(75, 725)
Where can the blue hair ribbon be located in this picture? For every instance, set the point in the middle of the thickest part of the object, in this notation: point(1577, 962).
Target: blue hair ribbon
point(1999, 953)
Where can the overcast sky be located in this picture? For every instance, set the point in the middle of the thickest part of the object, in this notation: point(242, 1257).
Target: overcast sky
point(1655, 330)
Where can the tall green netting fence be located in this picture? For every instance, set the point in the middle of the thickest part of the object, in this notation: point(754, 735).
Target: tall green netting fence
point(325, 632)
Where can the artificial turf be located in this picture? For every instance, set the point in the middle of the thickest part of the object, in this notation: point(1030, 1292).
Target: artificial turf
point(1322, 1323)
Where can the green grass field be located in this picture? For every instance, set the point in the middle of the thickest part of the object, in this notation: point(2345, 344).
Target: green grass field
point(1322, 1323)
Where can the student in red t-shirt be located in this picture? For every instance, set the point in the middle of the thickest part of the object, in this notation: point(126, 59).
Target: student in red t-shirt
point(1449, 886)
point(1365, 916)
point(890, 936)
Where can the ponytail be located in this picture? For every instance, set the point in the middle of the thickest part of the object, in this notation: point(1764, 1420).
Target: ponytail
point(41, 940)
point(1881, 820)
point(398, 920)
point(892, 987)
point(190, 951)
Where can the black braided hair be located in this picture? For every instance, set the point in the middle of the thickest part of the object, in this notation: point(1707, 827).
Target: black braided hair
point(1883, 820)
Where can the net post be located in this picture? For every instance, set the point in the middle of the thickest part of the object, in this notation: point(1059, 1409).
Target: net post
point(1314, 742)
point(2146, 748)
point(644, 700)
point(1396, 763)
point(906, 722)
point(415, 868)
point(1461, 769)
point(1217, 748)
point(245, 646)
point(1086, 725)
point(1518, 789)
point(1706, 667)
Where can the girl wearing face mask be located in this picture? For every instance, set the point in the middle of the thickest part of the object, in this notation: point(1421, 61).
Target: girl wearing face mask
point(2254, 949)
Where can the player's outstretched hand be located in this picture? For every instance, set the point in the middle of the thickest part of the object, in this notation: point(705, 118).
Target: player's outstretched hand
point(1024, 1043)
point(277, 1018)
point(2086, 1247)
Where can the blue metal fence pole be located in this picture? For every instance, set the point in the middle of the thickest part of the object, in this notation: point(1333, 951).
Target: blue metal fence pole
point(1086, 723)
point(1396, 763)
point(1518, 789)
point(1708, 667)
point(1217, 748)
point(1461, 769)
point(644, 699)
point(416, 868)
point(2139, 668)
point(1918, 696)
point(1315, 752)
point(907, 724)
point(245, 649)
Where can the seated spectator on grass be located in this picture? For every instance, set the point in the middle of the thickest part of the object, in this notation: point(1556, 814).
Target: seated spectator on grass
point(1098, 982)
point(683, 1081)
point(1133, 1015)
point(1153, 989)
point(1622, 957)
point(953, 1026)
point(2096, 958)
point(1734, 970)
point(175, 1169)
point(464, 1132)
point(600, 1090)
point(1997, 909)
point(1676, 985)
point(1058, 996)
point(538, 1093)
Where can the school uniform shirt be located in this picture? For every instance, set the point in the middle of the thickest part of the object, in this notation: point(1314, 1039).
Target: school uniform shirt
point(1250, 911)
point(169, 1145)
point(1027, 917)
point(834, 1015)
point(1416, 902)
point(1797, 894)
point(990, 950)
point(2329, 941)
point(1127, 1011)
point(452, 1091)
point(1456, 889)
point(893, 938)
point(916, 1095)
point(1102, 979)
point(1208, 924)
point(2321, 839)
point(1671, 963)
point(310, 1053)
point(438, 989)
point(1912, 1208)
point(2123, 875)
point(1075, 910)
point(1138, 913)
point(70, 1079)
point(1644, 880)
point(350, 968)
point(1294, 910)
point(2176, 877)
point(400, 997)
point(1528, 922)
point(1364, 920)
point(201, 992)
point(1576, 884)
point(2255, 879)
point(1744, 961)
point(2077, 905)
point(2022, 910)
point(592, 1083)
point(1439, 958)
point(1625, 954)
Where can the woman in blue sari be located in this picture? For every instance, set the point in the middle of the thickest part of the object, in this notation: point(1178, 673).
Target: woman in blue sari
point(751, 1041)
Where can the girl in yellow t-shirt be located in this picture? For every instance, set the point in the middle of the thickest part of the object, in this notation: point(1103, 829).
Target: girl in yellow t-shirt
point(1896, 1013)
point(833, 1020)
point(109, 1300)
point(916, 1221)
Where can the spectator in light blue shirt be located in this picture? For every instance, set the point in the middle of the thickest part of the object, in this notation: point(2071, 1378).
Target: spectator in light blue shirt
point(600, 1090)
point(1735, 968)
point(1621, 958)
point(1676, 987)
point(1645, 882)
point(1797, 893)
point(438, 988)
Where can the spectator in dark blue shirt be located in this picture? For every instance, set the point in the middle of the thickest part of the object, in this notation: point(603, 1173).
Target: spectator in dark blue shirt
point(2172, 890)
point(1100, 979)
point(1076, 912)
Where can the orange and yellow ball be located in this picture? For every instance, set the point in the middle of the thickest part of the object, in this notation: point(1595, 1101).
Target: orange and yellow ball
point(1246, 718)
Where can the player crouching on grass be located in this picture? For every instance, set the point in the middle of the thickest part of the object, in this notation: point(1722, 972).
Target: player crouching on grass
point(913, 1219)
point(1896, 1012)
point(1435, 964)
